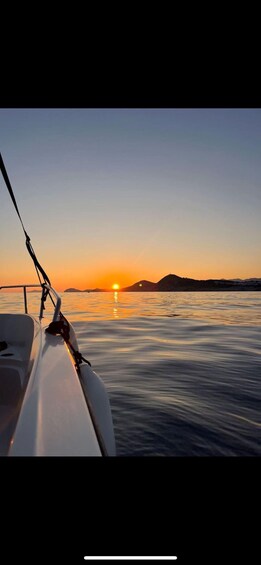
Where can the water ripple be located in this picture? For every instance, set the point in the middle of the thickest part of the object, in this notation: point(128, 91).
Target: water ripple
point(182, 370)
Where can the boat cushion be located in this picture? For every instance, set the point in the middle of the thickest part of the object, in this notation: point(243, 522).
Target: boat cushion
point(10, 386)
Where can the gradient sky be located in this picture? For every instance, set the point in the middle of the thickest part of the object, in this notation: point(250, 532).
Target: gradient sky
point(119, 195)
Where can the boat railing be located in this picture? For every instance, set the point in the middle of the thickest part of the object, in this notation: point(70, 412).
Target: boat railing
point(47, 290)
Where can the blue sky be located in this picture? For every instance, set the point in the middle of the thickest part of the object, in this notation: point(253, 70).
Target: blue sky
point(116, 195)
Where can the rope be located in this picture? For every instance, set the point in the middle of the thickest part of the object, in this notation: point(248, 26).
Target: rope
point(27, 238)
point(62, 327)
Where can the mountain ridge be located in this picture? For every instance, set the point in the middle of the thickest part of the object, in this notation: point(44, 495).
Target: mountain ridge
point(175, 283)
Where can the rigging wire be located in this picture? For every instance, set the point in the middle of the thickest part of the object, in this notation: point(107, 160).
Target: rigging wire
point(29, 246)
point(62, 326)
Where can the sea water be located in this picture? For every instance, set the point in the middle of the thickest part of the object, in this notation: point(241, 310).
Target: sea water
point(183, 370)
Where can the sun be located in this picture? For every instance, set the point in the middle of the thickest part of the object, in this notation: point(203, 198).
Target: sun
point(115, 286)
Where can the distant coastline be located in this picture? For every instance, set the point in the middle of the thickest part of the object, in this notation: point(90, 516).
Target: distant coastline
point(174, 283)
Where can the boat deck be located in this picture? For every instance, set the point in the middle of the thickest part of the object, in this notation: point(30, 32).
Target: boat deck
point(43, 410)
point(16, 338)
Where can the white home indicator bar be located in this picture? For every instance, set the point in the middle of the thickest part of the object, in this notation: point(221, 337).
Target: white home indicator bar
point(130, 558)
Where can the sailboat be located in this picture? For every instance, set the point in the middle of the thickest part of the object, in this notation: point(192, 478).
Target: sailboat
point(52, 403)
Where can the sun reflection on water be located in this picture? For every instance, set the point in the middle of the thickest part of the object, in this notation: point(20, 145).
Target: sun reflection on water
point(115, 308)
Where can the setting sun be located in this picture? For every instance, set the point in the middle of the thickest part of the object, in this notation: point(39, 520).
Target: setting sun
point(115, 286)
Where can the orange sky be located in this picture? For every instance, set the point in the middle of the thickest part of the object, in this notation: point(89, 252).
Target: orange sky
point(103, 273)
point(119, 195)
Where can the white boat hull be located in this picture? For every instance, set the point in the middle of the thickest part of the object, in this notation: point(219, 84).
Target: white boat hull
point(52, 416)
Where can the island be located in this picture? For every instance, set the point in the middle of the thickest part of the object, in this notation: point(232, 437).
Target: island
point(174, 283)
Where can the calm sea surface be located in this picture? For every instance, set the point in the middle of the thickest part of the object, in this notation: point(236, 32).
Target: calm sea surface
point(183, 370)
